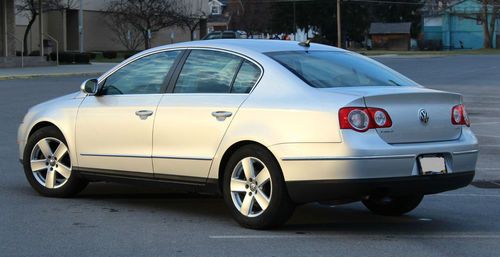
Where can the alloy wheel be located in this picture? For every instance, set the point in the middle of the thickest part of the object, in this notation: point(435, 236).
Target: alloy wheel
point(251, 187)
point(50, 163)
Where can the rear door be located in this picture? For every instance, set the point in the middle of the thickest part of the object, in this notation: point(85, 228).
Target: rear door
point(193, 118)
point(114, 129)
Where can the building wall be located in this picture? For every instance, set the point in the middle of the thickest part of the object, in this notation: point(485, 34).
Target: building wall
point(398, 42)
point(98, 35)
point(7, 35)
point(455, 30)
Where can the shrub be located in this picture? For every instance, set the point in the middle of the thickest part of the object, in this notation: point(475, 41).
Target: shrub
point(92, 55)
point(66, 57)
point(129, 54)
point(82, 58)
point(35, 53)
point(109, 54)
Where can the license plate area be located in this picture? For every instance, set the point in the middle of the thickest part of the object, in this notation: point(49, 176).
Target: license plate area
point(432, 164)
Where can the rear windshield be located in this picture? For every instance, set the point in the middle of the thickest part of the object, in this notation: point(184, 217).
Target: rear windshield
point(324, 69)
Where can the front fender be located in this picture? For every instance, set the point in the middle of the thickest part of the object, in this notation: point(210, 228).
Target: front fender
point(60, 112)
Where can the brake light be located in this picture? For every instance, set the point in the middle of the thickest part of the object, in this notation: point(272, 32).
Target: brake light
point(361, 118)
point(459, 115)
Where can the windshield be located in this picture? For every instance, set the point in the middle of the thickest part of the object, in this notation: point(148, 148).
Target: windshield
point(324, 69)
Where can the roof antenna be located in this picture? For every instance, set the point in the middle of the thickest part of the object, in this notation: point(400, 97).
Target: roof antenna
point(306, 43)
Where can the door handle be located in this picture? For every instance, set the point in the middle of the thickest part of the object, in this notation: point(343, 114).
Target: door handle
point(221, 115)
point(143, 114)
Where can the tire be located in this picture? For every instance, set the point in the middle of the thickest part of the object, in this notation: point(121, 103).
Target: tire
point(392, 205)
point(53, 177)
point(261, 189)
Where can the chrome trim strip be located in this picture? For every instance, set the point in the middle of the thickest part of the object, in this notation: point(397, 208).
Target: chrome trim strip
point(115, 155)
point(465, 152)
point(183, 158)
point(346, 158)
point(144, 156)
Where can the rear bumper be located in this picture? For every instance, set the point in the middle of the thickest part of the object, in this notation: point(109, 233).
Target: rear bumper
point(355, 189)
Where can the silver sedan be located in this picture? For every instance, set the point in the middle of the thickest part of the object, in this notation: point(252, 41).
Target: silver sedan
point(268, 124)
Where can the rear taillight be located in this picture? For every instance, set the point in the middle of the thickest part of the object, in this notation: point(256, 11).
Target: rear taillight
point(459, 115)
point(361, 118)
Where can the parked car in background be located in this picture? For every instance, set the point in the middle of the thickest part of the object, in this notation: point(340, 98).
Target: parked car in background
point(228, 34)
point(267, 123)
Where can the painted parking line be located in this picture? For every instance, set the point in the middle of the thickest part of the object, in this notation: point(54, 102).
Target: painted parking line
point(363, 236)
point(494, 146)
point(481, 96)
point(485, 123)
point(469, 195)
point(492, 136)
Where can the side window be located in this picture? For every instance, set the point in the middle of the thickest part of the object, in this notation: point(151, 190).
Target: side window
point(143, 76)
point(207, 72)
point(246, 78)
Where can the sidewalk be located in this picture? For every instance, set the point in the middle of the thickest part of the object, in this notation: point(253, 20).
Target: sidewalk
point(93, 69)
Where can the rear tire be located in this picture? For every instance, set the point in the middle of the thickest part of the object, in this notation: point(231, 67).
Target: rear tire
point(392, 205)
point(254, 189)
point(48, 165)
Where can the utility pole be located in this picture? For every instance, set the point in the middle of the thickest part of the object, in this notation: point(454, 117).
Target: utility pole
point(339, 28)
point(80, 25)
point(40, 27)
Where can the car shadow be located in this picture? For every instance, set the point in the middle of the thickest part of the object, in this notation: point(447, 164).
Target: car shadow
point(310, 218)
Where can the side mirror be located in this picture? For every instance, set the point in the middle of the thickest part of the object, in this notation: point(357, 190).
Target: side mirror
point(90, 87)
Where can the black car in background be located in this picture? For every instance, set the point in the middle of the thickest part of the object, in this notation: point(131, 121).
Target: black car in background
point(228, 34)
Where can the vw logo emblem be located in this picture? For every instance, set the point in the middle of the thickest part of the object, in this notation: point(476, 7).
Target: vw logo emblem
point(423, 116)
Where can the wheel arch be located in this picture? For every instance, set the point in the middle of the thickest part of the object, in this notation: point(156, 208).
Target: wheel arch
point(43, 124)
point(229, 152)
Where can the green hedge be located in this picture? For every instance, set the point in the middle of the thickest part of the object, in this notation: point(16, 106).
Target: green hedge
point(70, 57)
point(110, 54)
point(129, 54)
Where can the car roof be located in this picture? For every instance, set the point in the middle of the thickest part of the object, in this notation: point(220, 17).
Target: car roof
point(249, 45)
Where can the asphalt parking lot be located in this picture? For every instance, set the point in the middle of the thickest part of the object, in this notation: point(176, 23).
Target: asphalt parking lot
point(122, 220)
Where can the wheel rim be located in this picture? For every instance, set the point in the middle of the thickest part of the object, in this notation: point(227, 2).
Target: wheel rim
point(50, 163)
point(251, 187)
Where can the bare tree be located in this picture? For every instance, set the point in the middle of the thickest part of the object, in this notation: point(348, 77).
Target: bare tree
point(146, 16)
point(189, 17)
point(487, 15)
point(31, 9)
point(490, 12)
point(251, 16)
point(125, 34)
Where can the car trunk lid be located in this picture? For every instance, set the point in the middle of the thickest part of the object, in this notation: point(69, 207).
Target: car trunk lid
point(418, 114)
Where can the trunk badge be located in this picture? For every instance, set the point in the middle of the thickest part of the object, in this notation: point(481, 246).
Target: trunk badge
point(423, 116)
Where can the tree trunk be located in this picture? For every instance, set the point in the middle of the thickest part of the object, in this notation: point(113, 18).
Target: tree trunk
point(26, 33)
point(486, 30)
point(192, 33)
point(492, 23)
point(146, 40)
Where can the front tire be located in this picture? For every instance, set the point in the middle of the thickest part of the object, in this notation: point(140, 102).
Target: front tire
point(254, 189)
point(392, 205)
point(48, 165)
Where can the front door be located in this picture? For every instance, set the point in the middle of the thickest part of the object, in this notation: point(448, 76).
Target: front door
point(193, 118)
point(114, 129)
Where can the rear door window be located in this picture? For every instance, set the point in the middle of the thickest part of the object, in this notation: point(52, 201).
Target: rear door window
point(247, 76)
point(207, 71)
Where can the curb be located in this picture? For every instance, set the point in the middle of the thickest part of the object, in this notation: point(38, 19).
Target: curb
point(55, 75)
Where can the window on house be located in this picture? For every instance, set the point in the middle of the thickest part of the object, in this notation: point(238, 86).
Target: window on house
point(215, 10)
